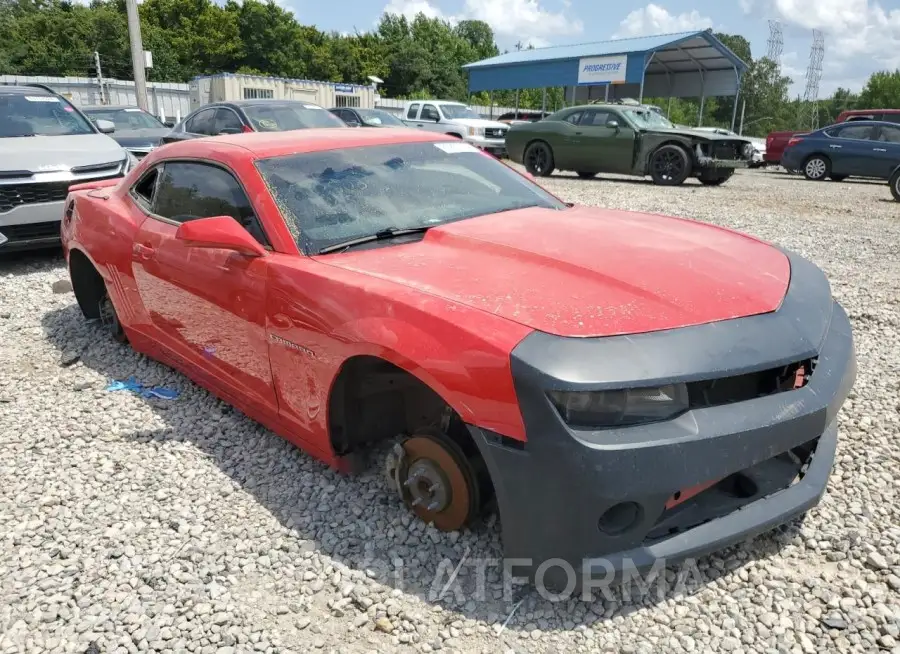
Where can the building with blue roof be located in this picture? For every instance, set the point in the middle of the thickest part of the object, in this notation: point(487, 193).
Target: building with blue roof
point(679, 65)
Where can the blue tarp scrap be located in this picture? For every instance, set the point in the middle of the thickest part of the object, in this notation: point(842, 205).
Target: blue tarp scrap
point(133, 385)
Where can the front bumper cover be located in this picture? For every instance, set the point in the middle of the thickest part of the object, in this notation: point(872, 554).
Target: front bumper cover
point(552, 492)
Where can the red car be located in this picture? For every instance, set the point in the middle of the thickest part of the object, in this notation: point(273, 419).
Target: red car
point(623, 387)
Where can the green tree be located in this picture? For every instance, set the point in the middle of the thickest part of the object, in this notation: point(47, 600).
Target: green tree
point(882, 91)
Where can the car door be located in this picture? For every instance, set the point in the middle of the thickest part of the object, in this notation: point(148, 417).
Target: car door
point(564, 140)
point(206, 305)
point(227, 121)
point(605, 142)
point(412, 115)
point(885, 151)
point(197, 125)
point(430, 118)
point(850, 150)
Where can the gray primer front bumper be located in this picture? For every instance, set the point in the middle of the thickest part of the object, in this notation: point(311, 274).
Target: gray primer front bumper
point(552, 492)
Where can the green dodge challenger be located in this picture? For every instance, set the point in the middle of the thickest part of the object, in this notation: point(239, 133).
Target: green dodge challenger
point(626, 140)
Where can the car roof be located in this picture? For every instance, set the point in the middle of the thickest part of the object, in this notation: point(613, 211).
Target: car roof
point(263, 145)
point(109, 107)
point(22, 90)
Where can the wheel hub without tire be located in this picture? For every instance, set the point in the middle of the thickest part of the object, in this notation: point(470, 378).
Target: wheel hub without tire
point(436, 481)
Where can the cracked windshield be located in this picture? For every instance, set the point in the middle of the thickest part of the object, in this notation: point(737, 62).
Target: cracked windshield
point(339, 195)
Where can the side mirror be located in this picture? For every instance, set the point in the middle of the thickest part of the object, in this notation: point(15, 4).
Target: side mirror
point(219, 232)
point(169, 123)
point(612, 123)
point(230, 130)
point(353, 123)
point(106, 126)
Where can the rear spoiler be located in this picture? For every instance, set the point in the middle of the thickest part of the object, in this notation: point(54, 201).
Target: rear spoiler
point(100, 183)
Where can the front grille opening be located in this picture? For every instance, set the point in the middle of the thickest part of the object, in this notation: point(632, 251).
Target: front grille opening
point(721, 497)
point(15, 195)
point(31, 231)
point(740, 388)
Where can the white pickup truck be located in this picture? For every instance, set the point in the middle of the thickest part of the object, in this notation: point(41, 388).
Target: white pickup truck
point(458, 120)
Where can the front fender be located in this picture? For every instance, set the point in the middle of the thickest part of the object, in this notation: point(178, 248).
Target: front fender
point(472, 375)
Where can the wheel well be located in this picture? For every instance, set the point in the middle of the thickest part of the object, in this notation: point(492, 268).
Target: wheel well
point(87, 284)
point(459, 136)
point(373, 400)
point(820, 155)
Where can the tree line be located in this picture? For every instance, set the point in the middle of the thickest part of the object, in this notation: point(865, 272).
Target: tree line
point(417, 58)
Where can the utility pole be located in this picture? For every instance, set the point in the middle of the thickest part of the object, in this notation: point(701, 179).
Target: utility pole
point(137, 54)
point(99, 77)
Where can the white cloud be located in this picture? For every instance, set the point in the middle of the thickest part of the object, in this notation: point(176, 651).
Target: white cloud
point(854, 29)
point(512, 20)
point(654, 19)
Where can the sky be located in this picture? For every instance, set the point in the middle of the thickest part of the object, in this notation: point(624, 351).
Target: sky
point(861, 36)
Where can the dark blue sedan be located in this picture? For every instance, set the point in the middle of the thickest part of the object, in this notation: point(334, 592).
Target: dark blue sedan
point(864, 148)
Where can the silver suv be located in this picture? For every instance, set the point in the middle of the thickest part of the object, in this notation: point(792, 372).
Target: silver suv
point(46, 144)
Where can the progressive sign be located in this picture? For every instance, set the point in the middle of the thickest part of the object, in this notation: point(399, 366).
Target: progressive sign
point(602, 70)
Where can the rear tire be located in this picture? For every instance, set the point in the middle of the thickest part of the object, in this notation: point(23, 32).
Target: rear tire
point(895, 185)
point(816, 168)
point(92, 295)
point(539, 159)
point(670, 165)
point(586, 175)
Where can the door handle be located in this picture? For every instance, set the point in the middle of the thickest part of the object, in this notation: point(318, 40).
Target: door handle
point(578, 133)
point(420, 125)
point(835, 146)
point(145, 252)
point(879, 149)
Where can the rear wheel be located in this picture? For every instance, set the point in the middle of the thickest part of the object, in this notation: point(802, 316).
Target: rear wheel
point(586, 175)
point(539, 159)
point(895, 185)
point(670, 165)
point(92, 295)
point(816, 168)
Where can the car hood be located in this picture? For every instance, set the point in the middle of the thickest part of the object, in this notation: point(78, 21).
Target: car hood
point(696, 133)
point(46, 153)
point(585, 271)
point(479, 122)
point(138, 138)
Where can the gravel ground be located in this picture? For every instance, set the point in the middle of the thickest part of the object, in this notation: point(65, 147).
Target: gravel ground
point(131, 524)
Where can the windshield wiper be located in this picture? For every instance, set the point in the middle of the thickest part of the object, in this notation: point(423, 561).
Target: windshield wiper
point(382, 235)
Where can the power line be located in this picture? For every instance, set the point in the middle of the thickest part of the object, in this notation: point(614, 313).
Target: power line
point(810, 112)
point(775, 43)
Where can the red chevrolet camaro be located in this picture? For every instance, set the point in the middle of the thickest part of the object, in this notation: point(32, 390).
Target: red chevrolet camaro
point(622, 387)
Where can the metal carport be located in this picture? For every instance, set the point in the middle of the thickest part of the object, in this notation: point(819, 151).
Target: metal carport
point(680, 65)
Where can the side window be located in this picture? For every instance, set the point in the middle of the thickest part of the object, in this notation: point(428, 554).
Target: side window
point(595, 118)
point(889, 134)
point(349, 117)
point(413, 111)
point(227, 119)
point(188, 191)
point(574, 118)
point(430, 112)
point(855, 132)
point(892, 118)
point(201, 123)
point(142, 191)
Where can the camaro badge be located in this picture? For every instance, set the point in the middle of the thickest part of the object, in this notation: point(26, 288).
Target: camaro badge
point(291, 345)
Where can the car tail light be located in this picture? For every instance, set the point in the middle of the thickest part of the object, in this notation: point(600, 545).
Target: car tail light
point(246, 129)
point(794, 140)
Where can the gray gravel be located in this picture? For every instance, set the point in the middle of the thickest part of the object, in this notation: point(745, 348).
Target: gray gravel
point(130, 524)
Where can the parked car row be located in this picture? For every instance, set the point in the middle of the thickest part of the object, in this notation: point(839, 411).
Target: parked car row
point(858, 148)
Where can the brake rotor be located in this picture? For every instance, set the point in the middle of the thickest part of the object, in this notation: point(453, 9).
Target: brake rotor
point(437, 482)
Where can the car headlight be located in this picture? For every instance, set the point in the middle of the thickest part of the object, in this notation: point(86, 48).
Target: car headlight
point(130, 162)
point(476, 131)
point(620, 408)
